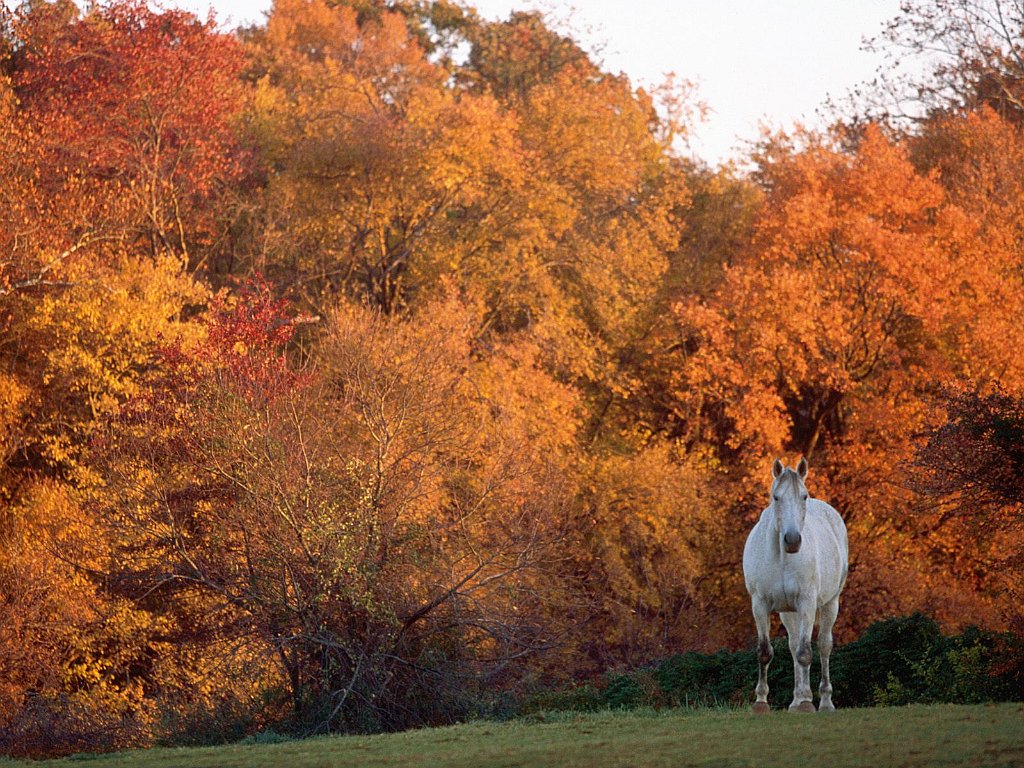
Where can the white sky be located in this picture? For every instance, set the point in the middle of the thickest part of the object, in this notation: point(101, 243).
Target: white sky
point(754, 61)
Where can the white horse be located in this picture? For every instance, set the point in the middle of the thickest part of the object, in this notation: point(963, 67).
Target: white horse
point(795, 563)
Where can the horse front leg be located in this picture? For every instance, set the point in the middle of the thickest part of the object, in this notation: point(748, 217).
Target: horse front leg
point(762, 618)
point(826, 618)
point(799, 625)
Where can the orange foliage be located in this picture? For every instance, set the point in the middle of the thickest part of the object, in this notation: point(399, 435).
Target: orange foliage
point(492, 390)
point(863, 287)
point(351, 521)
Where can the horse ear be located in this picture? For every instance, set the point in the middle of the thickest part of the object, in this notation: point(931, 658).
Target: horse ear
point(801, 468)
point(777, 468)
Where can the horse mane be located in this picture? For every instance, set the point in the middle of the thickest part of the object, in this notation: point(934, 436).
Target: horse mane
point(786, 476)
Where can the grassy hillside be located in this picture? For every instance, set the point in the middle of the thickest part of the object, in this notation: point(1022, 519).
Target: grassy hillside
point(985, 735)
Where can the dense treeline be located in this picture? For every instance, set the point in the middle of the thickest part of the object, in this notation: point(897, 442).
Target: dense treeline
point(381, 357)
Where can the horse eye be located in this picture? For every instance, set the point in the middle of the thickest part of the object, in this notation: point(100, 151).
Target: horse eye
point(805, 497)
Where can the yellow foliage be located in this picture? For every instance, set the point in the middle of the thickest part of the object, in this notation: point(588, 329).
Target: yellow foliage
point(90, 344)
point(656, 523)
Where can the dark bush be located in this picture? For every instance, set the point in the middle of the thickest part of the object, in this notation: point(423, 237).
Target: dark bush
point(908, 659)
point(48, 726)
point(625, 692)
point(725, 678)
point(204, 726)
point(896, 661)
point(883, 665)
point(700, 679)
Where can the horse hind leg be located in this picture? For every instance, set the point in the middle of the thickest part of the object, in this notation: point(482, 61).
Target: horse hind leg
point(826, 618)
point(762, 618)
point(798, 628)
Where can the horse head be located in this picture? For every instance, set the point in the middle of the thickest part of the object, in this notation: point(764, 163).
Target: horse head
point(789, 502)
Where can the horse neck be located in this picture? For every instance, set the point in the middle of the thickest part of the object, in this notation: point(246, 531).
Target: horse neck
point(773, 536)
point(775, 549)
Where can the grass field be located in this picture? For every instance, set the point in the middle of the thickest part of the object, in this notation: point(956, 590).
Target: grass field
point(942, 735)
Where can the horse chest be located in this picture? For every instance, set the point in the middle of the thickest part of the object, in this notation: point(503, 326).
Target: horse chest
point(787, 590)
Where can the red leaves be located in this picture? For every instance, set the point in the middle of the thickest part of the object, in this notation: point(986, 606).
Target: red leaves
point(140, 101)
point(247, 332)
point(252, 320)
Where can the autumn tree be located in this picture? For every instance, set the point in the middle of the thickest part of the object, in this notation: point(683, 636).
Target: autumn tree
point(652, 531)
point(967, 469)
point(111, 154)
point(372, 201)
point(137, 106)
point(509, 58)
point(861, 286)
point(964, 92)
point(978, 158)
point(718, 220)
point(409, 178)
point(972, 461)
point(538, 185)
point(379, 525)
point(119, 125)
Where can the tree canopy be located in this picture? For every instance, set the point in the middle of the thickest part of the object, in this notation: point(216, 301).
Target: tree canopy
point(377, 362)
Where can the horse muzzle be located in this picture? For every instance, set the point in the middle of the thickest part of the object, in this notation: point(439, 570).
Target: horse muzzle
point(791, 542)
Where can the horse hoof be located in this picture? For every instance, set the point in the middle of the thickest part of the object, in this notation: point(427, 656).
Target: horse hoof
point(826, 708)
point(803, 706)
point(760, 708)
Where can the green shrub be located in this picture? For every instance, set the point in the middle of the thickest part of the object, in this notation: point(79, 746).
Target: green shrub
point(908, 660)
point(896, 661)
point(624, 692)
point(883, 665)
point(726, 678)
point(975, 667)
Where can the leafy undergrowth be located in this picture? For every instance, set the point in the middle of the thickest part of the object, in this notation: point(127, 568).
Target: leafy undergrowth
point(904, 660)
point(938, 735)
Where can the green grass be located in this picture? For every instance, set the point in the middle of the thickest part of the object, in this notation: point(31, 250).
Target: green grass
point(941, 735)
